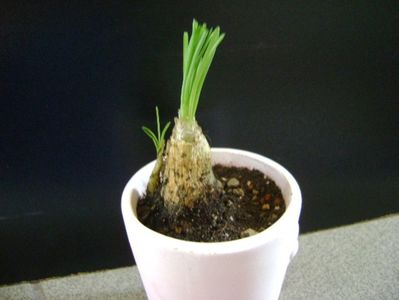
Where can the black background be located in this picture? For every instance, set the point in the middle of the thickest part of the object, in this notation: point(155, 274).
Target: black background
point(312, 85)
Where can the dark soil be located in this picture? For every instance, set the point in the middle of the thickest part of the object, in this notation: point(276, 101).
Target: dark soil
point(249, 203)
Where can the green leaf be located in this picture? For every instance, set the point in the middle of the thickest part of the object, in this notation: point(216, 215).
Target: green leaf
point(151, 135)
point(159, 138)
point(198, 52)
point(164, 130)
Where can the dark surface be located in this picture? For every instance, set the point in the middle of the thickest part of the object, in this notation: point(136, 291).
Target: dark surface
point(312, 85)
point(225, 213)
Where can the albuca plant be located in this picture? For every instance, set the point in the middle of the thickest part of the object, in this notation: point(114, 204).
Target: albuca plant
point(183, 172)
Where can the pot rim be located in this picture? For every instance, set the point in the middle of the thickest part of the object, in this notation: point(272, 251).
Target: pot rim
point(278, 230)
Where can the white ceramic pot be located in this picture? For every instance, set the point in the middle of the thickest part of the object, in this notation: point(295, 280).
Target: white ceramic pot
point(250, 268)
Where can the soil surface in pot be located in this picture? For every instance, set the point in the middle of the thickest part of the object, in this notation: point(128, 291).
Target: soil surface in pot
point(249, 203)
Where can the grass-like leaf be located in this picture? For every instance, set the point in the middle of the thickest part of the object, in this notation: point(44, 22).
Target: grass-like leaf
point(198, 53)
point(159, 138)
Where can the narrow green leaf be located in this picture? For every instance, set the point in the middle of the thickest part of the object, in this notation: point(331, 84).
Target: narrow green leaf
point(164, 131)
point(151, 136)
point(149, 132)
point(159, 138)
point(158, 123)
point(198, 52)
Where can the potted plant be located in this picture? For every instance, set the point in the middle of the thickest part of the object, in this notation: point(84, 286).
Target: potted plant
point(181, 212)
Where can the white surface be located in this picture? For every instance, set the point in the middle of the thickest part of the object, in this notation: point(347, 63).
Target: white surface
point(352, 262)
point(251, 268)
point(357, 262)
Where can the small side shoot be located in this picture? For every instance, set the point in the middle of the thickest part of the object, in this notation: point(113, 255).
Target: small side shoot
point(159, 142)
point(159, 138)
